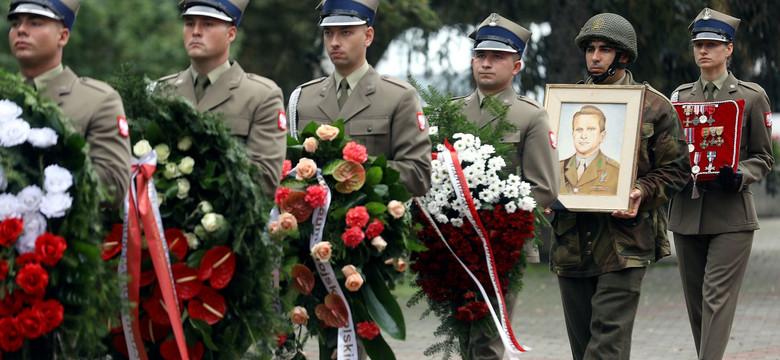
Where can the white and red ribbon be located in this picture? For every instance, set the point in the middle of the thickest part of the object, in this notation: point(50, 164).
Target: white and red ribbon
point(501, 320)
point(141, 208)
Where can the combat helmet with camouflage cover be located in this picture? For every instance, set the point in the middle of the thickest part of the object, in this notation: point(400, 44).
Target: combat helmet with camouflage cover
point(613, 29)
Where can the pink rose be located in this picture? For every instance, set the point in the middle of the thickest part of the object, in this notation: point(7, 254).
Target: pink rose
point(310, 144)
point(400, 265)
point(354, 280)
point(357, 216)
point(306, 168)
point(348, 270)
point(327, 132)
point(299, 315)
point(321, 251)
point(281, 194)
point(355, 152)
point(353, 236)
point(274, 227)
point(379, 243)
point(316, 195)
point(396, 208)
point(287, 221)
point(375, 229)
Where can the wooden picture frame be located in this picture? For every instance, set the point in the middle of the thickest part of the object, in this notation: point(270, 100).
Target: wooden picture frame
point(608, 126)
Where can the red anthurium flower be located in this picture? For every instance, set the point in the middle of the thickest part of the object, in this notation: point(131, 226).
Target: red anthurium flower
point(148, 277)
point(155, 308)
point(218, 266)
point(10, 229)
point(177, 243)
point(296, 204)
point(350, 175)
point(112, 243)
point(170, 351)
point(49, 248)
point(152, 331)
point(52, 312)
point(334, 312)
point(121, 344)
point(302, 279)
point(186, 280)
point(209, 306)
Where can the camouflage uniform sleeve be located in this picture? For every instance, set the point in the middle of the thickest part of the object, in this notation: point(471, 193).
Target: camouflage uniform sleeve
point(109, 150)
point(757, 160)
point(411, 147)
point(667, 153)
point(266, 141)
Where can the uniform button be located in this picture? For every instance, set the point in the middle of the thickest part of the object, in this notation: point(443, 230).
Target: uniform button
point(589, 252)
point(587, 234)
point(590, 243)
point(558, 272)
point(370, 129)
point(576, 190)
point(732, 86)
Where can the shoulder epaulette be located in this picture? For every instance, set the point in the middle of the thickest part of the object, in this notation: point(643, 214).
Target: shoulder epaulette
point(684, 86)
point(312, 82)
point(395, 81)
point(528, 100)
point(95, 84)
point(653, 90)
point(169, 77)
point(752, 86)
point(261, 80)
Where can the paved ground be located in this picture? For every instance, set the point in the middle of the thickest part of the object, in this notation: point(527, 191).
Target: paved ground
point(661, 331)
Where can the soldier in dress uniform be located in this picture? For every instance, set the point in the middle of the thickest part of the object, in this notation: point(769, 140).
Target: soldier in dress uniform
point(589, 171)
point(713, 233)
point(379, 111)
point(498, 49)
point(600, 258)
point(253, 105)
point(40, 29)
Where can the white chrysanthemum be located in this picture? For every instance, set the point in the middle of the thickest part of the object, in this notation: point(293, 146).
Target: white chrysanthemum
point(9, 110)
point(527, 204)
point(30, 199)
point(477, 204)
point(437, 178)
point(42, 137)
point(486, 150)
point(9, 206)
point(441, 148)
point(525, 188)
point(459, 146)
point(511, 192)
point(57, 179)
point(469, 155)
point(3, 180)
point(54, 205)
point(441, 218)
point(433, 207)
point(488, 196)
point(34, 226)
point(13, 132)
point(433, 130)
point(513, 180)
point(457, 222)
point(510, 207)
point(496, 163)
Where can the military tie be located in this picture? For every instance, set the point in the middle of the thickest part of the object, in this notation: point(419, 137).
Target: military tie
point(580, 169)
point(709, 92)
point(30, 82)
point(201, 82)
point(343, 92)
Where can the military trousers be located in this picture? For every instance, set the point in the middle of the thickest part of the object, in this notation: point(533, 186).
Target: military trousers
point(712, 268)
point(483, 346)
point(600, 311)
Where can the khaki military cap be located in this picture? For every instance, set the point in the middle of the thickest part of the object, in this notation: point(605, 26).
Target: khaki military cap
point(713, 25)
point(225, 10)
point(61, 10)
point(500, 34)
point(347, 12)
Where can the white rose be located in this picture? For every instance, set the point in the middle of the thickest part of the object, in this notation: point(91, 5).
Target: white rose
point(192, 240)
point(56, 179)
point(34, 226)
point(396, 208)
point(9, 110)
point(379, 243)
point(163, 151)
point(171, 171)
point(186, 165)
point(205, 207)
point(9, 206)
point(184, 188)
point(212, 221)
point(30, 199)
point(185, 143)
point(200, 232)
point(3, 181)
point(42, 138)
point(13, 132)
point(54, 205)
point(141, 148)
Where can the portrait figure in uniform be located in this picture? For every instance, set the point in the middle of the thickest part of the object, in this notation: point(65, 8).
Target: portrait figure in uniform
point(589, 171)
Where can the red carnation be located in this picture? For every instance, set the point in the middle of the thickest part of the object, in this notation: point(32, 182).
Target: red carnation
point(375, 229)
point(281, 194)
point(10, 338)
point(30, 323)
point(355, 152)
point(368, 330)
point(286, 167)
point(353, 236)
point(281, 339)
point(316, 195)
point(3, 269)
point(357, 216)
point(112, 243)
point(10, 229)
point(52, 312)
point(49, 248)
point(33, 279)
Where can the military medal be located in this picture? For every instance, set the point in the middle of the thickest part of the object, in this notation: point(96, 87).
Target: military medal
point(688, 110)
point(696, 158)
point(705, 133)
point(689, 137)
point(702, 117)
point(710, 110)
point(711, 157)
point(716, 132)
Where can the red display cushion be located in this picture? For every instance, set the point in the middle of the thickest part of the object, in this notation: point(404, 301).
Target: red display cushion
point(723, 135)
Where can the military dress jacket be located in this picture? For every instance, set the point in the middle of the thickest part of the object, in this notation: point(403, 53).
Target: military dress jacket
point(599, 178)
point(97, 112)
point(590, 244)
point(253, 107)
point(382, 113)
point(535, 152)
point(717, 210)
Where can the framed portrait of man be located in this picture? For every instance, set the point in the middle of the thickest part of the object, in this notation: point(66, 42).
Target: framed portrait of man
point(598, 135)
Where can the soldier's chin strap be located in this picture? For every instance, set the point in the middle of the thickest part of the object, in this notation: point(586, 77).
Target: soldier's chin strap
point(616, 64)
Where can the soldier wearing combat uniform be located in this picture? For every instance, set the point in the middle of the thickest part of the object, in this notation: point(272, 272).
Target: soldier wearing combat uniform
point(380, 112)
point(600, 258)
point(714, 232)
point(498, 48)
point(40, 29)
point(252, 105)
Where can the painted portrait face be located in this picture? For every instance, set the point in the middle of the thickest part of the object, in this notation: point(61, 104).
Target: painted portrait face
point(588, 134)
